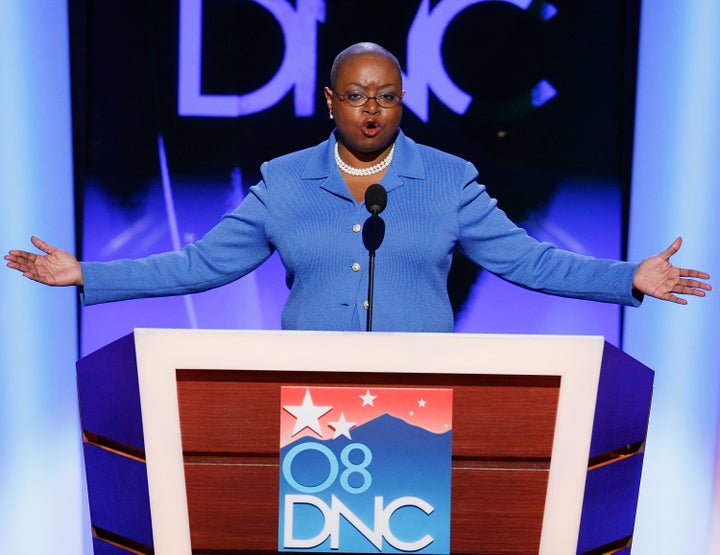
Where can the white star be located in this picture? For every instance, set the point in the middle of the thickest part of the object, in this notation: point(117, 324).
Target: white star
point(341, 427)
point(368, 399)
point(422, 402)
point(307, 415)
point(412, 413)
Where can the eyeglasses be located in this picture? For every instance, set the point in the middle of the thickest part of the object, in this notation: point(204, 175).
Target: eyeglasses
point(358, 99)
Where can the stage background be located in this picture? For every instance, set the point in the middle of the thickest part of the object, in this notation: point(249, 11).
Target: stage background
point(550, 91)
point(675, 188)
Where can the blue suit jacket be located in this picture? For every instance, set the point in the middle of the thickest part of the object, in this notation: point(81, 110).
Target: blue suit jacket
point(303, 209)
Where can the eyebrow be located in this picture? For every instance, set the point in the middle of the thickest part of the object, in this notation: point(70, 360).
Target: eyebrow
point(364, 87)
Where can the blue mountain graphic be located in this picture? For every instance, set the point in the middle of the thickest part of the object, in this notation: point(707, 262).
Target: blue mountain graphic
point(386, 458)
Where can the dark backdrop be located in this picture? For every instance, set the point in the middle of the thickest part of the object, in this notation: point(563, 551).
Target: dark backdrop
point(125, 89)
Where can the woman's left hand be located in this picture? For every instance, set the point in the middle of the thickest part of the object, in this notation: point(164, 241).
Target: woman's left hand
point(657, 277)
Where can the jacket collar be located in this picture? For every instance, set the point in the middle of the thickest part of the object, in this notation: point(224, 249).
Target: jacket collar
point(406, 163)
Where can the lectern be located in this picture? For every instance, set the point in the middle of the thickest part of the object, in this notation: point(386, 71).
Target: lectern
point(180, 432)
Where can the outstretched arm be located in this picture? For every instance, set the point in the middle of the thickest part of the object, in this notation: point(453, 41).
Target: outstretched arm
point(657, 277)
point(55, 267)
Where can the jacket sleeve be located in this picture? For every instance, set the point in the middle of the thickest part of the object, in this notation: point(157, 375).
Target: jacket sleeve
point(234, 247)
point(489, 238)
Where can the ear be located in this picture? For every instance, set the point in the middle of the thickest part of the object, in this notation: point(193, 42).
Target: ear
point(328, 98)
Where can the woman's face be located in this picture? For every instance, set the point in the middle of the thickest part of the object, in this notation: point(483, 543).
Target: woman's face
point(367, 129)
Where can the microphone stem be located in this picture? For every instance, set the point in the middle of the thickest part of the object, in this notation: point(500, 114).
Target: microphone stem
point(371, 287)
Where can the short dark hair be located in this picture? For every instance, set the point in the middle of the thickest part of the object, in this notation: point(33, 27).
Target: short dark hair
point(359, 49)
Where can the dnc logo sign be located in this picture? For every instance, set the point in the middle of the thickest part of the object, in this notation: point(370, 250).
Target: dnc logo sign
point(365, 470)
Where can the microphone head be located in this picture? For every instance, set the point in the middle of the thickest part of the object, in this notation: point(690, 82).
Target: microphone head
point(375, 199)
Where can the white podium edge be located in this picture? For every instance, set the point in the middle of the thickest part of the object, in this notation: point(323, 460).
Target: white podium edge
point(160, 352)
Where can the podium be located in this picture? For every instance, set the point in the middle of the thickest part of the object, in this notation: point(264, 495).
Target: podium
point(180, 435)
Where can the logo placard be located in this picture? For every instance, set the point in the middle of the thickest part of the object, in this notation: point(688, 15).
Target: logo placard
point(365, 470)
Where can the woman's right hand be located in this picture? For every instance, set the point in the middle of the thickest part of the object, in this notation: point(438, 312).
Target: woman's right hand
point(55, 267)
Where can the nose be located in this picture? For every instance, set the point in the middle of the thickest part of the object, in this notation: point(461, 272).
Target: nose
point(372, 106)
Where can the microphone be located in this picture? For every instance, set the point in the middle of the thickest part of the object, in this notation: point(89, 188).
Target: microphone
point(373, 235)
point(375, 199)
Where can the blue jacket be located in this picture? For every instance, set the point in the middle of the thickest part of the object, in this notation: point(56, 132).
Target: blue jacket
point(303, 209)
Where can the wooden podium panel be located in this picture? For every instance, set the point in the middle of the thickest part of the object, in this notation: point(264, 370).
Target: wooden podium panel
point(548, 435)
point(500, 468)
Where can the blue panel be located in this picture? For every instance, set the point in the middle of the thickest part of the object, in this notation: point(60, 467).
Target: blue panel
point(623, 404)
point(109, 393)
point(103, 548)
point(676, 191)
point(118, 492)
point(42, 504)
point(611, 494)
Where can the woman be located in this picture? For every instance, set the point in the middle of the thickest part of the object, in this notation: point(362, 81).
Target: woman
point(309, 207)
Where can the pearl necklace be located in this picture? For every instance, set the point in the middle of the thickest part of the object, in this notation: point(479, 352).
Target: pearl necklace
point(377, 168)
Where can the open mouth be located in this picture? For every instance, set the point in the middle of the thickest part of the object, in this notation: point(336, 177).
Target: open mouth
point(370, 128)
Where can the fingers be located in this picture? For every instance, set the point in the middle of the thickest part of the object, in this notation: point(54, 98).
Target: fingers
point(686, 272)
point(677, 300)
point(24, 261)
point(700, 285)
point(672, 249)
point(42, 245)
point(16, 255)
point(12, 261)
point(18, 260)
point(692, 287)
